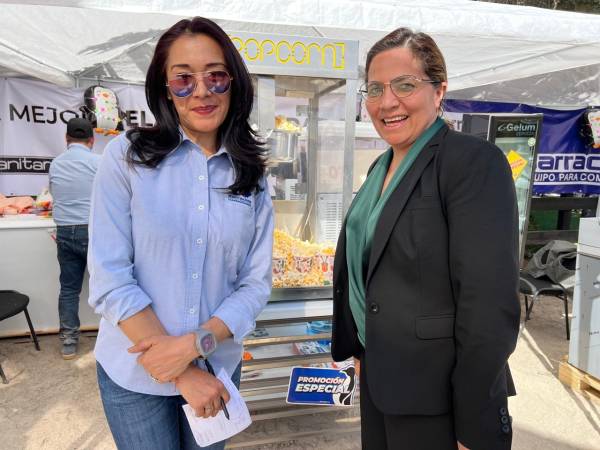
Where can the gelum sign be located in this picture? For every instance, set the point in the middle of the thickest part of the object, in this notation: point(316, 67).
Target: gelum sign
point(322, 386)
point(510, 129)
point(266, 54)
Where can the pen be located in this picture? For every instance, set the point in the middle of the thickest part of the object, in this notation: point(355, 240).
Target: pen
point(212, 372)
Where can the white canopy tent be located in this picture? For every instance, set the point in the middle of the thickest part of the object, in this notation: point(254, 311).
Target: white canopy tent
point(493, 51)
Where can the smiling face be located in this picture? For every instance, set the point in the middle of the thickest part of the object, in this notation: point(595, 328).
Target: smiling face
point(201, 113)
point(400, 121)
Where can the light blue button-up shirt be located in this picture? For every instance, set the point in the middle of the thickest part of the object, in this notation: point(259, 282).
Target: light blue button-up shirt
point(175, 239)
point(71, 178)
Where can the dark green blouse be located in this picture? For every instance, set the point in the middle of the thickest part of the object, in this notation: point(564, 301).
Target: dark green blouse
point(363, 217)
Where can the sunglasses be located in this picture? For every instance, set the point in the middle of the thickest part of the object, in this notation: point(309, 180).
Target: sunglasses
point(402, 86)
point(184, 84)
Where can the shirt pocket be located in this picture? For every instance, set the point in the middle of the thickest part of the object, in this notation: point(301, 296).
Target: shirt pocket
point(233, 226)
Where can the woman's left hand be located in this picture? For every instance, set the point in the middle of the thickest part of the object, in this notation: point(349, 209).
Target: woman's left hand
point(460, 446)
point(164, 357)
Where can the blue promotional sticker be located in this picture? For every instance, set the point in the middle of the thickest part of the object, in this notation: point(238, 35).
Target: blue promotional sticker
point(321, 386)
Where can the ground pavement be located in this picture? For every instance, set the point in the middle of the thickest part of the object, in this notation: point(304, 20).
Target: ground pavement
point(54, 404)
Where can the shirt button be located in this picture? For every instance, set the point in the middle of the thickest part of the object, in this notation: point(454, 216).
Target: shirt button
point(199, 241)
point(200, 207)
point(201, 178)
point(194, 276)
point(192, 310)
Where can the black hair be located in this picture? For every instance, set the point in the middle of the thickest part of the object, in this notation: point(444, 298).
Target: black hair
point(150, 145)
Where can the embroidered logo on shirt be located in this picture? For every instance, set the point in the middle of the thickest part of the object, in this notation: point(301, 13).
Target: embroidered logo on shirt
point(243, 199)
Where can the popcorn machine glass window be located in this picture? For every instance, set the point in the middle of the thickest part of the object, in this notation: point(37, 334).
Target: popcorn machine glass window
point(303, 122)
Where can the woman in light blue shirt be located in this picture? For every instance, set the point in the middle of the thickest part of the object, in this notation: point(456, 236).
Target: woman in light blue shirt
point(180, 246)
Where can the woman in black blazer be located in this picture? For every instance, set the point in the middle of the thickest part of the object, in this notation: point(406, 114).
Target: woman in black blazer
point(426, 268)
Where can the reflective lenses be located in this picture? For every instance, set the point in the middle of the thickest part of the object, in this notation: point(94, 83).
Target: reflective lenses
point(184, 84)
point(402, 86)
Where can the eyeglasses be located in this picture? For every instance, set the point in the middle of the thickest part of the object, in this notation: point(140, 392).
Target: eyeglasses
point(402, 87)
point(184, 84)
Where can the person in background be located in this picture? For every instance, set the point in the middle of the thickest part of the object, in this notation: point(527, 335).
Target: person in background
point(71, 179)
point(426, 268)
point(181, 242)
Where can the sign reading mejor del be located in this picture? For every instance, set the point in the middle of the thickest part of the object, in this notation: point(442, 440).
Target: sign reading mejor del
point(266, 54)
point(33, 122)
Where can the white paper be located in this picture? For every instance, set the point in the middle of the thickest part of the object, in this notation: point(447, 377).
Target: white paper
point(215, 429)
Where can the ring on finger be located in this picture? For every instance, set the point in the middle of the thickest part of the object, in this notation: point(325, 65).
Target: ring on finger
point(156, 380)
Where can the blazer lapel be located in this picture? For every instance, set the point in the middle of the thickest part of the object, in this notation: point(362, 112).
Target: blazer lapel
point(340, 252)
point(397, 201)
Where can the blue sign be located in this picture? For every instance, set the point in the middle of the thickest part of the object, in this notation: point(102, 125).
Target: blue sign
point(566, 163)
point(319, 386)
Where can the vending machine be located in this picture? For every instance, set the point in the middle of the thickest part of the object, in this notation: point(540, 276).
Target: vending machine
point(517, 135)
point(584, 346)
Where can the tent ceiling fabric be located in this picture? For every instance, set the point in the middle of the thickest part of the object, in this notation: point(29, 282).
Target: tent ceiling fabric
point(61, 42)
point(573, 88)
point(484, 43)
point(435, 16)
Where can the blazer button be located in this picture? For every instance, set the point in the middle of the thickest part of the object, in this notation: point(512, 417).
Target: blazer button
point(503, 411)
point(504, 419)
point(338, 291)
point(374, 307)
point(505, 429)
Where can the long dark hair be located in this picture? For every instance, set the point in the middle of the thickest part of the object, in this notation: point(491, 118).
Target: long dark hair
point(150, 145)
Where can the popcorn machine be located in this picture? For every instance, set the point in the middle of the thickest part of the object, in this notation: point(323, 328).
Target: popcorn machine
point(305, 110)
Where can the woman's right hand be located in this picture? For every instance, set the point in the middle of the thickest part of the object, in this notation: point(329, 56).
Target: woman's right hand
point(202, 391)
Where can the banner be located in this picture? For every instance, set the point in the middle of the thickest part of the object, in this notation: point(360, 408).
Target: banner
point(33, 118)
point(565, 163)
point(322, 386)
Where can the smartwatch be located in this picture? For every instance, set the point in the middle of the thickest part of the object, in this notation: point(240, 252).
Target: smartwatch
point(206, 342)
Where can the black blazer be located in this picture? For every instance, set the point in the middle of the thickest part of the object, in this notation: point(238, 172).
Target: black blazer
point(442, 312)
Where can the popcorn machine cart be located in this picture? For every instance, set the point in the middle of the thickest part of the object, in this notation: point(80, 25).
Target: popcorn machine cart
point(305, 108)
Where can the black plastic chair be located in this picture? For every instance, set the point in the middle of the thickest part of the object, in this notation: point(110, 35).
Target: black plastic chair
point(534, 287)
point(11, 304)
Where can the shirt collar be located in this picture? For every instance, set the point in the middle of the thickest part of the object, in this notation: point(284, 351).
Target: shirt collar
point(184, 140)
point(76, 145)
